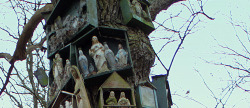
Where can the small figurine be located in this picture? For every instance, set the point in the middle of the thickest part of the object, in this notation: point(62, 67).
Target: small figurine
point(111, 99)
point(80, 90)
point(137, 7)
point(67, 69)
point(57, 69)
point(66, 22)
point(123, 100)
point(58, 23)
point(75, 21)
point(61, 106)
point(68, 104)
point(83, 62)
point(97, 53)
point(109, 55)
point(122, 56)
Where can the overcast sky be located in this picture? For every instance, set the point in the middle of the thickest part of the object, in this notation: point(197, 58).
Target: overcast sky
point(202, 45)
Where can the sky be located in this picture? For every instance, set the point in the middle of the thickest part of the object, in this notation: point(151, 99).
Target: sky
point(202, 46)
point(186, 84)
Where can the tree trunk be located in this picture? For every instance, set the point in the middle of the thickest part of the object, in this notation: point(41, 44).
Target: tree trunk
point(141, 49)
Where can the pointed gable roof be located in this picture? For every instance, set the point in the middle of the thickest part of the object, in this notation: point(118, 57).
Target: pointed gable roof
point(115, 81)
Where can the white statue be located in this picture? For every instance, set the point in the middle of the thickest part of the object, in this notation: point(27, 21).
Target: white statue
point(58, 65)
point(97, 53)
point(83, 62)
point(68, 104)
point(61, 106)
point(109, 55)
point(57, 69)
point(122, 56)
point(67, 69)
point(123, 100)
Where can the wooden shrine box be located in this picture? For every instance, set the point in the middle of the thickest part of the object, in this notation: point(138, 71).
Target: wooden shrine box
point(68, 21)
point(136, 13)
point(117, 84)
point(112, 37)
point(146, 95)
point(163, 91)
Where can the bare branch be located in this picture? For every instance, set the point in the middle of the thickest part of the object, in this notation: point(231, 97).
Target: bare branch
point(232, 67)
point(7, 79)
point(159, 5)
point(7, 56)
point(186, 97)
point(27, 33)
point(168, 29)
point(8, 33)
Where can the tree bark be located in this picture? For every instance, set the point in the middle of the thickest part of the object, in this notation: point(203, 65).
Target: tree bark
point(142, 52)
point(158, 5)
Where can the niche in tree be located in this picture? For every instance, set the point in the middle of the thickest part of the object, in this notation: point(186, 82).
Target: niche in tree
point(114, 40)
point(116, 92)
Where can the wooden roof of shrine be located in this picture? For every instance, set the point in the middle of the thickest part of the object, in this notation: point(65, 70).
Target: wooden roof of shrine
point(115, 81)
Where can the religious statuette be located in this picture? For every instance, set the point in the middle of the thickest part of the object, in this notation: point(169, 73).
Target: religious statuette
point(57, 69)
point(58, 23)
point(97, 53)
point(83, 62)
point(111, 99)
point(137, 7)
point(109, 55)
point(122, 56)
point(68, 104)
point(123, 100)
point(67, 69)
